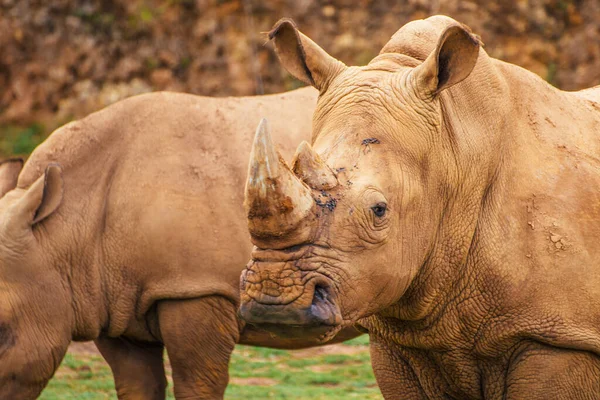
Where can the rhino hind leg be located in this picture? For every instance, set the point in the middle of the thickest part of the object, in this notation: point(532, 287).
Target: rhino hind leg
point(138, 368)
point(199, 335)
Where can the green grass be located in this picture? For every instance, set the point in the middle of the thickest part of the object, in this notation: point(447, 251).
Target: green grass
point(81, 377)
point(341, 372)
point(19, 140)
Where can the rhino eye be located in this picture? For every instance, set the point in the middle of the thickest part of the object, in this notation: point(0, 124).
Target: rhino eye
point(379, 209)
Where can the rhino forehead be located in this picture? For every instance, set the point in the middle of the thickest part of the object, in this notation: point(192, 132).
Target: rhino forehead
point(375, 100)
point(368, 141)
point(361, 85)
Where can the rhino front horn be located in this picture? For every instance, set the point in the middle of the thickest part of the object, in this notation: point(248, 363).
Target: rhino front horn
point(311, 169)
point(277, 201)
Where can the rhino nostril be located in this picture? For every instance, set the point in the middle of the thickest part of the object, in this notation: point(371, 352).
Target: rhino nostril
point(323, 310)
point(320, 295)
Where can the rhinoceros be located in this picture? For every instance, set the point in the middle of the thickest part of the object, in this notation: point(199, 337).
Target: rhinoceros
point(449, 203)
point(127, 228)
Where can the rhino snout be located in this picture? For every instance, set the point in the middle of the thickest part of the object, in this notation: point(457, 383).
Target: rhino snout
point(316, 309)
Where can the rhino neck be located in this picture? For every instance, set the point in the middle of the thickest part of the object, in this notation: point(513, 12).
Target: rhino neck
point(71, 236)
point(462, 285)
point(83, 289)
point(75, 256)
point(475, 119)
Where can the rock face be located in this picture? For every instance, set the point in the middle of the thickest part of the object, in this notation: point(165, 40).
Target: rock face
point(63, 59)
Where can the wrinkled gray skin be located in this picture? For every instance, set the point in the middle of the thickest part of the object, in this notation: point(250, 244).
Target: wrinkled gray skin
point(464, 231)
point(127, 228)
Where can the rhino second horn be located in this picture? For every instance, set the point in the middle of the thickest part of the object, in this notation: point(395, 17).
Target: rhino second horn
point(276, 200)
point(311, 169)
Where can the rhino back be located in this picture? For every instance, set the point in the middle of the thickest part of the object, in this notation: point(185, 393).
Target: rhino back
point(154, 190)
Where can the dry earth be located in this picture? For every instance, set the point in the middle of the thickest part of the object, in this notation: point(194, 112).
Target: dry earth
point(62, 59)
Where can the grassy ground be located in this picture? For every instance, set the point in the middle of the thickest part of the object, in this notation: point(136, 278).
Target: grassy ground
point(330, 372)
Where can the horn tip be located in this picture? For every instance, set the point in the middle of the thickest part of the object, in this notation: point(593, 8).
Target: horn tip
point(263, 126)
point(304, 150)
point(263, 135)
point(303, 146)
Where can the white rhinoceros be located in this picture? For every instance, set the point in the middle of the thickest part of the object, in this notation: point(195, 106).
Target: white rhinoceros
point(459, 222)
point(127, 228)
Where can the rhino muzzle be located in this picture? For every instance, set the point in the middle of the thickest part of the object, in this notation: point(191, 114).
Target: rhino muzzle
point(282, 300)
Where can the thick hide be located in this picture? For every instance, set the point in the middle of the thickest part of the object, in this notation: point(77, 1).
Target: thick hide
point(463, 231)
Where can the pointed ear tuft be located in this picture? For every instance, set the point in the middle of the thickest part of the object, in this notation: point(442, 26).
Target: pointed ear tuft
point(302, 57)
point(42, 198)
point(53, 193)
point(451, 62)
point(9, 174)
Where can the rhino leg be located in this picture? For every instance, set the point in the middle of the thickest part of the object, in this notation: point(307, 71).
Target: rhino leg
point(395, 377)
point(539, 372)
point(137, 368)
point(199, 335)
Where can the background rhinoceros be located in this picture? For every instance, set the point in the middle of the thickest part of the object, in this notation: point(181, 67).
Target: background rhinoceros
point(127, 227)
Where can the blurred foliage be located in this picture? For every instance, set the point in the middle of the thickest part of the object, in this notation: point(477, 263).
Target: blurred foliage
point(63, 59)
point(15, 140)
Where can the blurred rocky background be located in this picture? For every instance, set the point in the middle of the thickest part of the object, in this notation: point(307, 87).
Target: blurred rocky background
point(62, 59)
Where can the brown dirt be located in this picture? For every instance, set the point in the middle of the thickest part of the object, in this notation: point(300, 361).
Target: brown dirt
point(333, 349)
point(253, 381)
point(83, 349)
point(62, 59)
point(65, 373)
point(323, 367)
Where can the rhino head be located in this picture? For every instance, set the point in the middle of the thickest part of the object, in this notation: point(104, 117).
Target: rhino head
point(342, 233)
point(35, 313)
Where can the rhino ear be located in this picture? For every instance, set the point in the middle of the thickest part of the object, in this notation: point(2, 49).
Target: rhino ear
point(302, 57)
point(9, 174)
point(43, 197)
point(452, 61)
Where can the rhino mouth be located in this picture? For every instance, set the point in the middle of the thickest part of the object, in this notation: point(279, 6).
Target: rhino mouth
point(282, 299)
point(321, 334)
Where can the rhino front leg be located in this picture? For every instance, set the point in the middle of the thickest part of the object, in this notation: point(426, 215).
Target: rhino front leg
point(395, 377)
point(540, 372)
point(137, 368)
point(199, 335)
